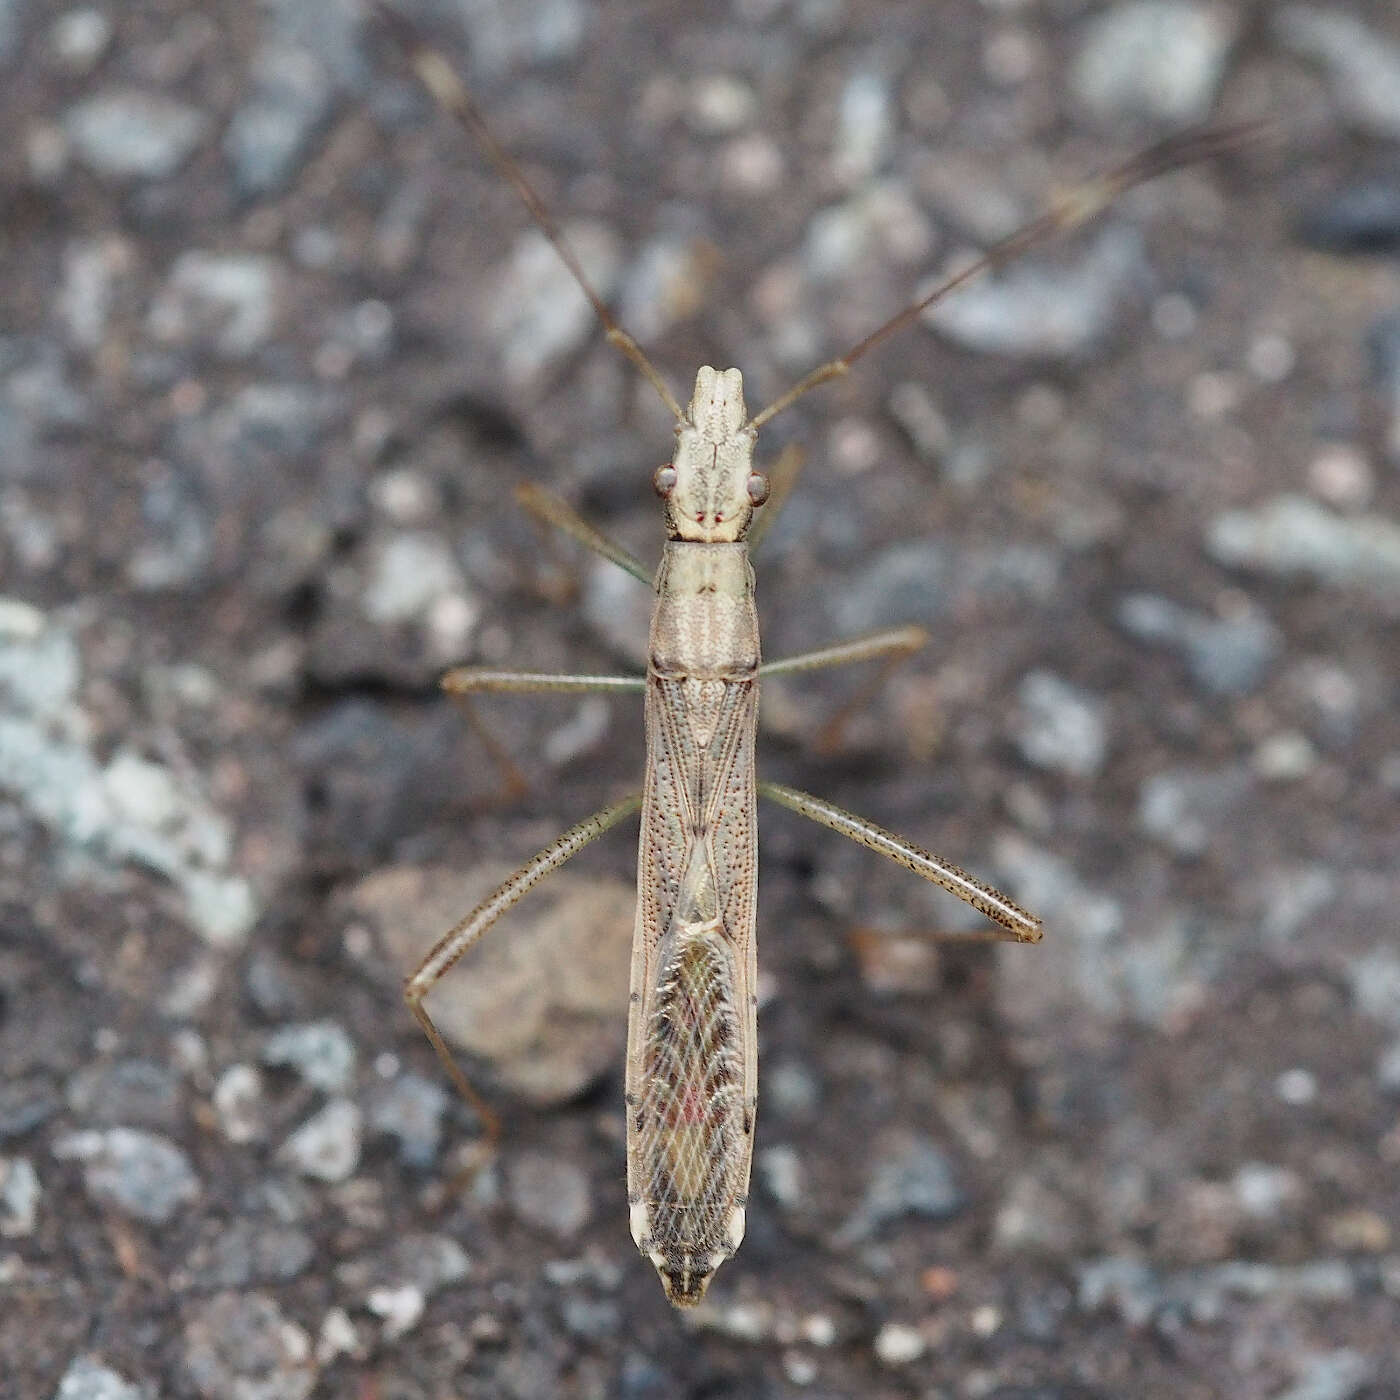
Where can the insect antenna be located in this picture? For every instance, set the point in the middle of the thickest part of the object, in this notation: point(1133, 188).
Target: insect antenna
point(450, 93)
point(1081, 205)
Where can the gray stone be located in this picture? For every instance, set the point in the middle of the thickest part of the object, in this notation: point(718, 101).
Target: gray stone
point(1333, 1375)
point(1362, 217)
point(321, 1052)
point(88, 1379)
point(1225, 656)
point(1039, 310)
point(1035, 1218)
point(225, 301)
point(1061, 726)
point(1127, 1286)
point(1292, 535)
point(1185, 809)
point(79, 39)
point(127, 134)
point(538, 313)
point(549, 1194)
point(240, 1346)
point(248, 1251)
point(269, 135)
point(1362, 64)
point(91, 267)
point(1375, 984)
point(864, 125)
point(126, 1091)
point(327, 1146)
point(140, 1174)
point(410, 1110)
point(12, 16)
point(505, 35)
point(19, 1197)
point(905, 582)
point(131, 809)
point(592, 1318)
point(541, 1005)
point(1158, 59)
point(178, 544)
point(910, 1177)
point(24, 1104)
point(1388, 1067)
point(425, 1263)
point(409, 573)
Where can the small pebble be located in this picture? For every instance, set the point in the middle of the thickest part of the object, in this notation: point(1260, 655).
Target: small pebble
point(1362, 63)
point(239, 1103)
point(126, 134)
point(721, 104)
point(1341, 474)
point(897, 1344)
point(400, 1308)
point(1062, 727)
point(88, 1379)
point(781, 1170)
point(140, 1174)
point(1159, 59)
point(240, 1346)
point(549, 1193)
point(1292, 534)
point(226, 301)
point(80, 38)
point(1284, 757)
point(410, 1110)
point(19, 1197)
point(912, 1177)
point(409, 573)
point(1064, 311)
point(321, 1052)
point(1297, 1087)
point(327, 1146)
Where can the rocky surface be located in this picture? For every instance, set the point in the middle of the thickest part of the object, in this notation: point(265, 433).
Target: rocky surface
point(275, 350)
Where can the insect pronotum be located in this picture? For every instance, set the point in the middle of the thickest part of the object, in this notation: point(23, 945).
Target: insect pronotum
point(691, 1082)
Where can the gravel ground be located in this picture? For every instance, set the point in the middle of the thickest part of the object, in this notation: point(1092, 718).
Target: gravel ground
point(275, 349)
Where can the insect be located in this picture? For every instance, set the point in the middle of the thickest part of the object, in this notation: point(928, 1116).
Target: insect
point(691, 1073)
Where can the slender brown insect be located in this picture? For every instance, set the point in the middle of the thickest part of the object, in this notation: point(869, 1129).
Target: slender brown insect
point(692, 1066)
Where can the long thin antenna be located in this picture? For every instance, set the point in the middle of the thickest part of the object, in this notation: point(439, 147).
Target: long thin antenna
point(450, 93)
point(1081, 205)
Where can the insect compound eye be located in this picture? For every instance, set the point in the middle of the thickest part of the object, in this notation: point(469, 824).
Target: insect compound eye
point(758, 488)
point(663, 480)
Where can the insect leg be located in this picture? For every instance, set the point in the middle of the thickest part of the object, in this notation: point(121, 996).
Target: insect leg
point(554, 510)
point(463, 681)
point(460, 937)
point(895, 644)
point(1015, 925)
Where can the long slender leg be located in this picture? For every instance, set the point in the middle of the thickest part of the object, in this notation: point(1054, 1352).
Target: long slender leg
point(460, 937)
point(782, 477)
point(895, 644)
point(554, 510)
point(1015, 925)
point(899, 641)
point(468, 680)
point(464, 681)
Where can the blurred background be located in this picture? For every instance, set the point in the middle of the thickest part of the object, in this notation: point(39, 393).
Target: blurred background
point(275, 348)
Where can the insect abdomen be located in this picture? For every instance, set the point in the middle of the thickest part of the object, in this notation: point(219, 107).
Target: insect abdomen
point(687, 1121)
